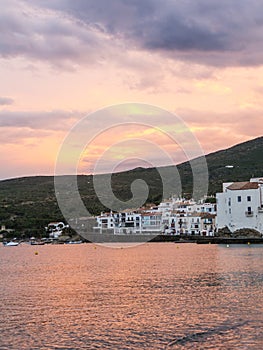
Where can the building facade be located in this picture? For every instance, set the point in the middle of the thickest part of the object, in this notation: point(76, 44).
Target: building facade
point(240, 205)
point(172, 217)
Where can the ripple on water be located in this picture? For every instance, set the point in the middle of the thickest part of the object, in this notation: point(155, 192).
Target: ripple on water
point(153, 296)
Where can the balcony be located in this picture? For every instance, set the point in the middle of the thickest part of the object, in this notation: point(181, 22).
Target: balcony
point(260, 209)
point(249, 213)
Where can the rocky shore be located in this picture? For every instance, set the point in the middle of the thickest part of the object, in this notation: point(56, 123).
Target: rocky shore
point(110, 238)
point(208, 240)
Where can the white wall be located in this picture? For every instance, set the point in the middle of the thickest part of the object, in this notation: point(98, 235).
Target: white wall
point(233, 213)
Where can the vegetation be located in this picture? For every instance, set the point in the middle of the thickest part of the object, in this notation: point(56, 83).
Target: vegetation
point(28, 204)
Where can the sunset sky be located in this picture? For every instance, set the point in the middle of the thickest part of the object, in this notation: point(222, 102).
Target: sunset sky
point(63, 60)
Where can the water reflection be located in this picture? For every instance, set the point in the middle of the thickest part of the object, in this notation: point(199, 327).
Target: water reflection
point(153, 296)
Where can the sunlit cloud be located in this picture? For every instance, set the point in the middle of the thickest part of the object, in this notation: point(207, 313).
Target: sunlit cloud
point(61, 60)
point(38, 120)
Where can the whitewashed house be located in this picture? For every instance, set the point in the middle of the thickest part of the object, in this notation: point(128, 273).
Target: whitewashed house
point(176, 216)
point(123, 222)
point(105, 221)
point(151, 222)
point(240, 205)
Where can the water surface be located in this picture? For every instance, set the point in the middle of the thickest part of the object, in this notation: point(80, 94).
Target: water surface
point(152, 296)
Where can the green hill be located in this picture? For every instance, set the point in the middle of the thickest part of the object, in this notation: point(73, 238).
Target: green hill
point(28, 204)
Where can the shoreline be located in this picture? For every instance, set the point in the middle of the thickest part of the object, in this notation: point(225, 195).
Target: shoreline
point(208, 240)
point(108, 238)
point(95, 238)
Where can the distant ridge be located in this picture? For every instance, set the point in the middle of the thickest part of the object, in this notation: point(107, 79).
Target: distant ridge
point(27, 204)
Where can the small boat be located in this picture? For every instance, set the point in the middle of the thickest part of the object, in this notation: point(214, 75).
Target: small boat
point(37, 243)
point(74, 242)
point(11, 244)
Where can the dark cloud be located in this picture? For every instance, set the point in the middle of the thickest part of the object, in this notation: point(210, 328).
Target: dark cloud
point(42, 34)
point(175, 34)
point(218, 33)
point(6, 101)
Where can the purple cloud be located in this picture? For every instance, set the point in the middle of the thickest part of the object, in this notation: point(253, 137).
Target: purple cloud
point(4, 101)
point(224, 33)
point(39, 120)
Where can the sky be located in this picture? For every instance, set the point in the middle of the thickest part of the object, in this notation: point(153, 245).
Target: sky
point(62, 61)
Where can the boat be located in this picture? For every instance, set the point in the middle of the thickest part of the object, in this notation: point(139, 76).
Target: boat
point(11, 244)
point(75, 242)
point(37, 242)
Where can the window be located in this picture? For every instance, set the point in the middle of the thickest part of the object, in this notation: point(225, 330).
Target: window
point(229, 210)
point(229, 202)
point(249, 198)
point(239, 198)
point(249, 210)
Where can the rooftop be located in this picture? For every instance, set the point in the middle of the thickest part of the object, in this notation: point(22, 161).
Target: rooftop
point(243, 186)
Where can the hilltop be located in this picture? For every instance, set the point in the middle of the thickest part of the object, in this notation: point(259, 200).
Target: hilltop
point(27, 204)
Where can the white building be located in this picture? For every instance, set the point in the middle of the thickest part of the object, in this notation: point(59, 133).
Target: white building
point(105, 221)
point(176, 216)
point(240, 205)
point(151, 222)
point(123, 222)
point(195, 223)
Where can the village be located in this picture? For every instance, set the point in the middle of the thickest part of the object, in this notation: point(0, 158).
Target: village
point(239, 206)
point(176, 216)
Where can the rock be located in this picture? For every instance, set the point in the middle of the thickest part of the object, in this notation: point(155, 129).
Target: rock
point(247, 232)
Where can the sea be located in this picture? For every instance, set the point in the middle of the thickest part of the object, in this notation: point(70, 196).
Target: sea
point(148, 296)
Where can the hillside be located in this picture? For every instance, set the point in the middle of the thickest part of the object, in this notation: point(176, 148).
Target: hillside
point(28, 204)
point(246, 159)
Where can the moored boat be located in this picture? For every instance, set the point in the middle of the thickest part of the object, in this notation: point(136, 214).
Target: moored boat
point(75, 242)
point(11, 244)
point(37, 242)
